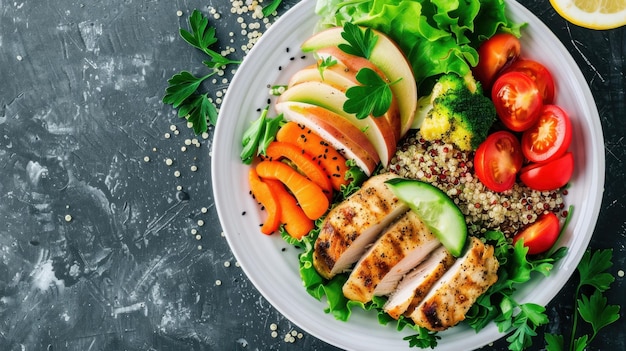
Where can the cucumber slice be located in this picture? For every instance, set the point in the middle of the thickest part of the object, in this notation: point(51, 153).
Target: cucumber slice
point(436, 209)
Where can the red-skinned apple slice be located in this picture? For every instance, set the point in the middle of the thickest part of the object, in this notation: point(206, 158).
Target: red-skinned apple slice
point(352, 65)
point(336, 75)
point(389, 59)
point(339, 133)
point(376, 129)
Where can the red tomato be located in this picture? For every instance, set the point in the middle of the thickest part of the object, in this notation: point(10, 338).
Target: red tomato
point(517, 100)
point(550, 137)
point(539, 74)
point(493, 55)
point(540, 236)
point(550, 175)
point(497, 161)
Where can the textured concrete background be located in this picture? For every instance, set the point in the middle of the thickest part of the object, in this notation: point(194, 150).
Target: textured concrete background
point(100, 249)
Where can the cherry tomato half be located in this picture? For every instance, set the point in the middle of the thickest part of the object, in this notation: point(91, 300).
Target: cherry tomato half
point(550, 137)
point(493, 55)
point(497, 161)
point(540, 236)
point(517, 100)
point(539, 74)
point(550, 175)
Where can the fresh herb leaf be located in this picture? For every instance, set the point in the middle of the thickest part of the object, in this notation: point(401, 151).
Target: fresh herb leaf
point(595, 311)
point(270, 8)
point(198, 110)
point(201, 36)
point(259, 135)
point(324, 63)
point(592, 269)
point(554, 342)
point(272, 125)
point(525, 325)
point(423, 339)
point(181, 86)
point(182, 91)
point(251, 137)
point(360, 43)
point(373, 97)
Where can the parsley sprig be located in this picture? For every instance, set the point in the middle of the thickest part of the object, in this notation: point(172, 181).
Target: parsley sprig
point(373, 96)
point(182, 91)
point(593, 308)
point(360, 42)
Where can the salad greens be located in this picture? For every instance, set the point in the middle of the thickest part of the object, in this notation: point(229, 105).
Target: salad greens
point(438, 36)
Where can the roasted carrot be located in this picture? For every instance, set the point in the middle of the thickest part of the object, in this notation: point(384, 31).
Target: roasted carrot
point(309, 195)
point(330, 159)
point(296, 223)
point(277, 150)
point(264, 195)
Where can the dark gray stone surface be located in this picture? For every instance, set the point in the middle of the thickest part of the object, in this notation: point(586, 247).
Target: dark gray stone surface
point(80, 110)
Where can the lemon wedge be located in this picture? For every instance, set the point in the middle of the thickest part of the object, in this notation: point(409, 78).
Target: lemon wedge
point(593, 14)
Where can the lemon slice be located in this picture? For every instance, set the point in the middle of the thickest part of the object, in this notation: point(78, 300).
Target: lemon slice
point(594, 14)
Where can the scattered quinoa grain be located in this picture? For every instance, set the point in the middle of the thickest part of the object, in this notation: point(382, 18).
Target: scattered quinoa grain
point(200, 223)
point(68, 218)
point(176, 174)
point(168, 161)
point(218, 282)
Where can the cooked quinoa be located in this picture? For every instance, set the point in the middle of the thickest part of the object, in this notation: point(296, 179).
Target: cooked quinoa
point(451, 170)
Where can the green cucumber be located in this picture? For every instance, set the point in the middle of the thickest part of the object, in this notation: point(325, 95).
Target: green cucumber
point(436, 209)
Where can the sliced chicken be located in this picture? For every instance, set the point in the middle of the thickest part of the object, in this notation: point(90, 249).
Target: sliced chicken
point(416, 284)
point(403, 245)
point(354, 224)
point(450, 298)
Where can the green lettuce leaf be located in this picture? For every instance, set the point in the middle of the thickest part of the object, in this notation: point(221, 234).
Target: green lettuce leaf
point(438, 36)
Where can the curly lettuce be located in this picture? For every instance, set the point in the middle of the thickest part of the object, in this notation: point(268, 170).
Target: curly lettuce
point(437, 36)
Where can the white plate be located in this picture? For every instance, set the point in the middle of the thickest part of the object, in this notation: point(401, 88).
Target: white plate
point(275, 272)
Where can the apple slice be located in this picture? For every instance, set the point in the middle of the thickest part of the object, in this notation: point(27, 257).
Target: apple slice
point(341, 134)
point(352, 65)
point(336, 75)
point(376, 129)
point(388, 57)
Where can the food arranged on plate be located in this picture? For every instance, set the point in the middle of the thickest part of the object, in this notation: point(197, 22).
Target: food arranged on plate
point(423, 169)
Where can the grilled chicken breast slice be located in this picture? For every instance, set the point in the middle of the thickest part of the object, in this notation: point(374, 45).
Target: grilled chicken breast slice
point(354, 224)
point(416, 284)
point(450, 298)
point(403, 245)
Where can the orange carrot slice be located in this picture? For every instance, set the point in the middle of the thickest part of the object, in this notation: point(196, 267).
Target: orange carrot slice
point(310, 196)
point(297, 224)
point(263, 194)
point(277, 150)
point(330, 159)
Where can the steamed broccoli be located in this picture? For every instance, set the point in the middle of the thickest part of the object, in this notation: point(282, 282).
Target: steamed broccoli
point(456, 112)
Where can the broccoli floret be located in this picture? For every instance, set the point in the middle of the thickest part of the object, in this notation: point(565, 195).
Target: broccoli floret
point(456, 112)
